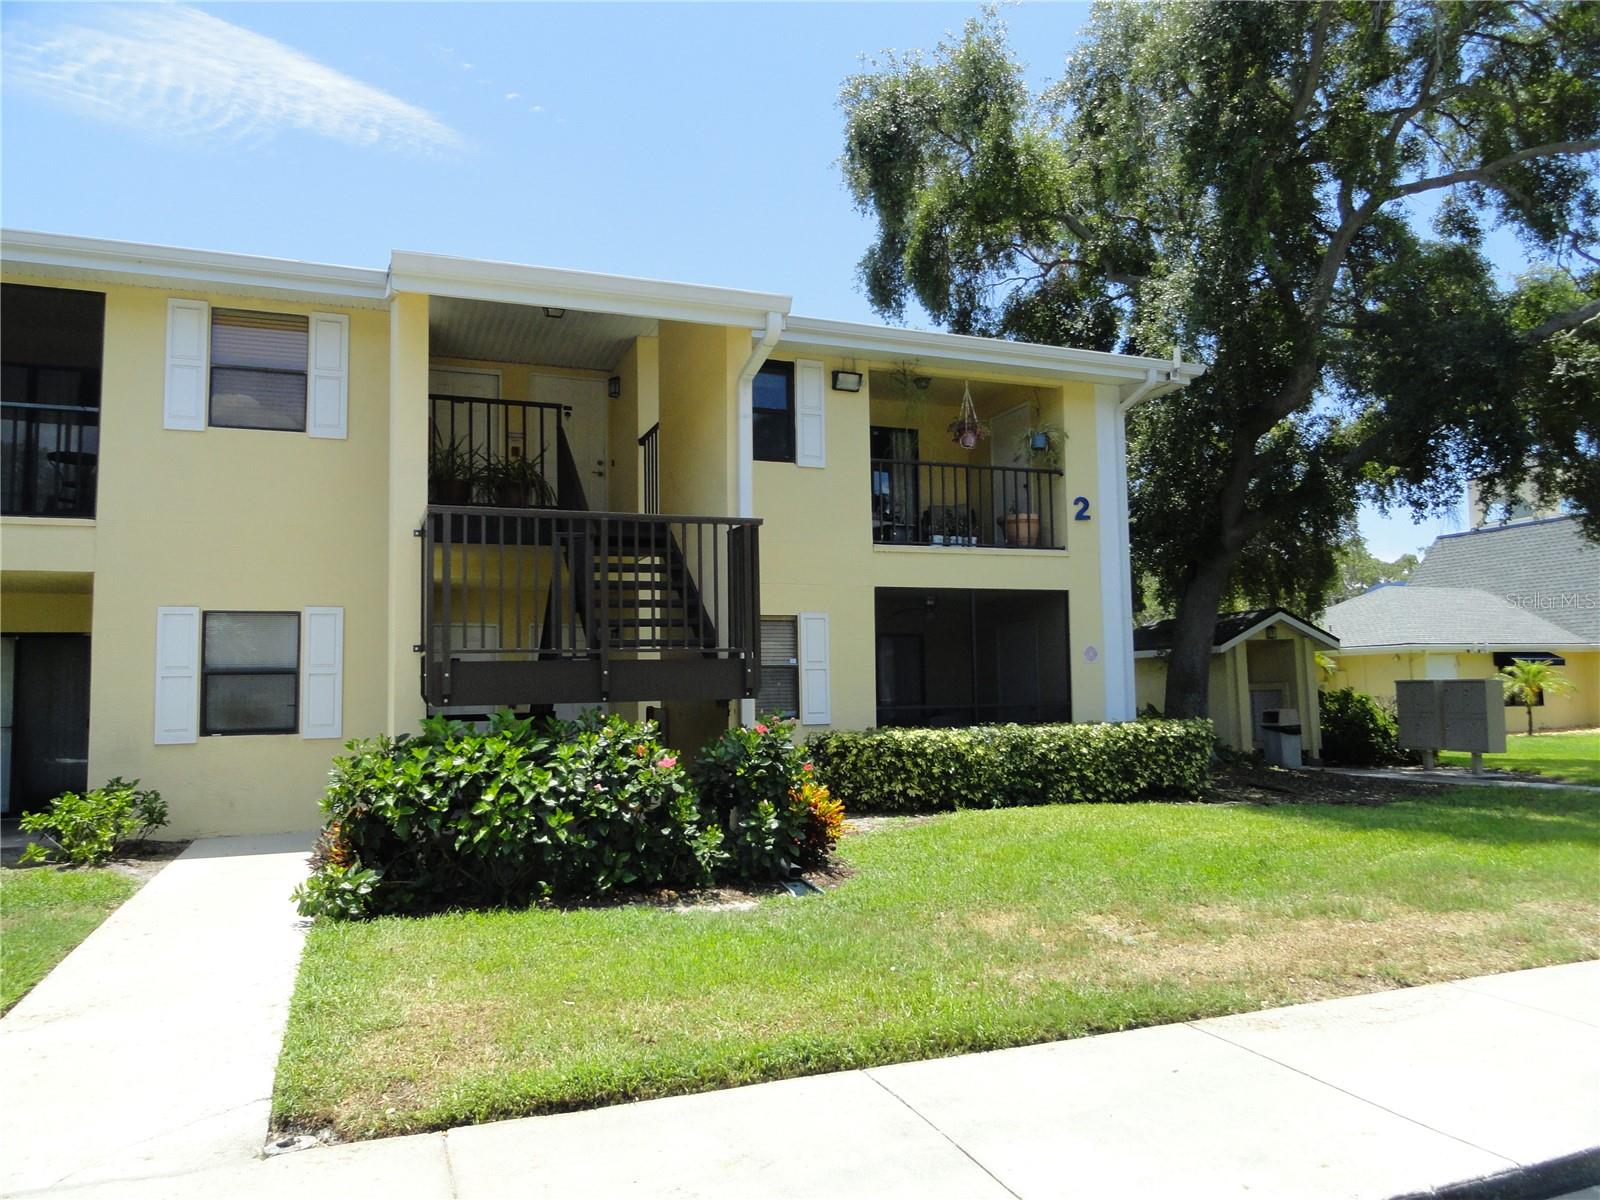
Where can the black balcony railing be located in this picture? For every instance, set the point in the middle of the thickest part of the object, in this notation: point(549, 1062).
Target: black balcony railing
point(543, 607)
point(963, 504)
point(650, 465)
point(499, 453)
point(49, 459)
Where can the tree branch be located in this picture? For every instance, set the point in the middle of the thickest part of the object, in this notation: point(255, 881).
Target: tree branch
point(1562, 322)
point(1486, 172)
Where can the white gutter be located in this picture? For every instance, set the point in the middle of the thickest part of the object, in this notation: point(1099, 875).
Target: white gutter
point(747, 421)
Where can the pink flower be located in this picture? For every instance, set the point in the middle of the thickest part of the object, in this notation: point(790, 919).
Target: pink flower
point(806, 767)
point(760, 728)
point(666, 762)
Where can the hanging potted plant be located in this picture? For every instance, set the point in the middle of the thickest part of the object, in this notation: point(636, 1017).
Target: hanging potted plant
point(517, 483)
point(1038, 446)
point(966, 430)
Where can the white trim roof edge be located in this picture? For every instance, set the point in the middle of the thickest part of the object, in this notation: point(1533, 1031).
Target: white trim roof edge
point(1310, 631)
point(893, 341)
point(559, 287)
point(1468, 647)
point(152, 265)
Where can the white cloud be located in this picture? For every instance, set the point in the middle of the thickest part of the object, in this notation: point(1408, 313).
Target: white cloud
point(176, 72)
point(513, 95)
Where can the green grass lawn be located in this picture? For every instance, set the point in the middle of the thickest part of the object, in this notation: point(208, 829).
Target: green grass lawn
point(960, 932)
point(1573, 757)
point(44, 913)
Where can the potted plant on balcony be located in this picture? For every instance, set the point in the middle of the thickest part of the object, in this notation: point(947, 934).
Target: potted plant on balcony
point(1038, 446)
point(452, 471)
point(517, 482)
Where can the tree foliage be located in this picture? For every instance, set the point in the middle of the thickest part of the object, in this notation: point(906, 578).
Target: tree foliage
point(1249, 182)
point(1360, 570)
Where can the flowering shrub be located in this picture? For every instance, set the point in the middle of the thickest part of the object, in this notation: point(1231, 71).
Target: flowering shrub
point(529, 810)
point(824, 822)
point(752, 778)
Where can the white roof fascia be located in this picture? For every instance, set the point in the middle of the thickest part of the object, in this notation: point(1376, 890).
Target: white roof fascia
point(54, 256)
point(887, 344)
point(1470, 647)
point(584, 291)
point(1309, 631)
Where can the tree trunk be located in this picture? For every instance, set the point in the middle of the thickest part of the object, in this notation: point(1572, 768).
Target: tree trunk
point(1189, 665)
point(1529, 707)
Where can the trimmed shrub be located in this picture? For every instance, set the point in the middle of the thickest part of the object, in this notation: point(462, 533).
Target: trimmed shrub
point(997, 766)
point(1357, 731)
point(90, 827)
point(752, 779)
point(527, 811)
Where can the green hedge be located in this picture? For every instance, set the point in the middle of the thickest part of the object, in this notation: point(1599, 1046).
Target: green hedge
point(998, 766)
point(1357, 731)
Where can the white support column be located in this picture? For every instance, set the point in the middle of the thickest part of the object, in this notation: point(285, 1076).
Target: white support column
point(1116, 571)
point(408, 504)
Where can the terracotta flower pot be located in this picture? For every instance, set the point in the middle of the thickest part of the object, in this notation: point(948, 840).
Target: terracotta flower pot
point(1022, 529)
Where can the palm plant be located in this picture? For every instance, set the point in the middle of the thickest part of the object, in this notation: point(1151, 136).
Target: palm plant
point(1525, 681)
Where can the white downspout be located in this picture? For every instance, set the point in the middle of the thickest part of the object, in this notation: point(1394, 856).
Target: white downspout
point(747, 423)
point(747, 378)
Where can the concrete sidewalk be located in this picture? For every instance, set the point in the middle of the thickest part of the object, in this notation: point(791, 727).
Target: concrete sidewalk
point(150, 1049)
point(1458, 777)
point(1386, 1095)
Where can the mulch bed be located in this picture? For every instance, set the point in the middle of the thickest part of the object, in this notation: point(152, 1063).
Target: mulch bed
point(140, 860)
point(1262, 784)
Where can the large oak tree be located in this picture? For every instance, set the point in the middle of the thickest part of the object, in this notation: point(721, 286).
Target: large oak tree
point(1296, 195)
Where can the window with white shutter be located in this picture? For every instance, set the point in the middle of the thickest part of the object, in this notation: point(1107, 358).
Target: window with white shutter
point(322, 674)
point(188, 342)
point(259, 366)
point(328, 398)
point(816, 705)
point(177, 675)
point(810, 431)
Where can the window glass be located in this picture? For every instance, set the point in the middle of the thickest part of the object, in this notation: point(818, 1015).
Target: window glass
point(250, 672)
point(772, 400)
point(780, 669)
point(258, 370)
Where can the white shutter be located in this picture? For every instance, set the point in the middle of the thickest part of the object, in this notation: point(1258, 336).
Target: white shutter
point(188, 358)
point(322, 674)
point(816, 708)
point(177, 675)
point(328, 376)
point(810, 434)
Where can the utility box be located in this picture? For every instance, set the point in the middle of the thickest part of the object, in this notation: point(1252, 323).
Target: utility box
point(1452, 714)
point(1280, 736)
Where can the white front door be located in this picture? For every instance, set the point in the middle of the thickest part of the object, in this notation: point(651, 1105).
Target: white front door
point(586, 432)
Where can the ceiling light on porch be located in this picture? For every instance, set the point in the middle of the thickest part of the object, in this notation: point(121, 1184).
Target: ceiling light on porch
point(555, 314)
point(847, 381)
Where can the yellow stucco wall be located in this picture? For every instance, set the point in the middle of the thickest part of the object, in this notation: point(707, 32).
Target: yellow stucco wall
point(220, 519)
point(817, 552)
point(1376, 675)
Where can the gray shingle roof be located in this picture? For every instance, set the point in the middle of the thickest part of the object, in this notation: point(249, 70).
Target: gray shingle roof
point(1545, 567)
point(1410, 615)
point(1158, 635)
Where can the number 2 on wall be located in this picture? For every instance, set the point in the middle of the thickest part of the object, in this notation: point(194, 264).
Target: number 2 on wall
point(1081, 503)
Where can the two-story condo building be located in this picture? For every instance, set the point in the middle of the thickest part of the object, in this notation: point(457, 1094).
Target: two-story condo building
point(253, 508)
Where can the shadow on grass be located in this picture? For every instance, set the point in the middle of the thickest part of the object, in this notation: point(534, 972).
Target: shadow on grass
point(1497, 816)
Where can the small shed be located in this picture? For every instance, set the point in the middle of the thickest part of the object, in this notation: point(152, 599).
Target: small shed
point(1261, 660)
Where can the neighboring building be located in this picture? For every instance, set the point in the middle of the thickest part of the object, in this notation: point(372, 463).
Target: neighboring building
point(1260, 661)
point(255, 507)
point(1478, 600)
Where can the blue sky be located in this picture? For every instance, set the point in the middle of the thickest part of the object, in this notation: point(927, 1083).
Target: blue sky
point(691, 142)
